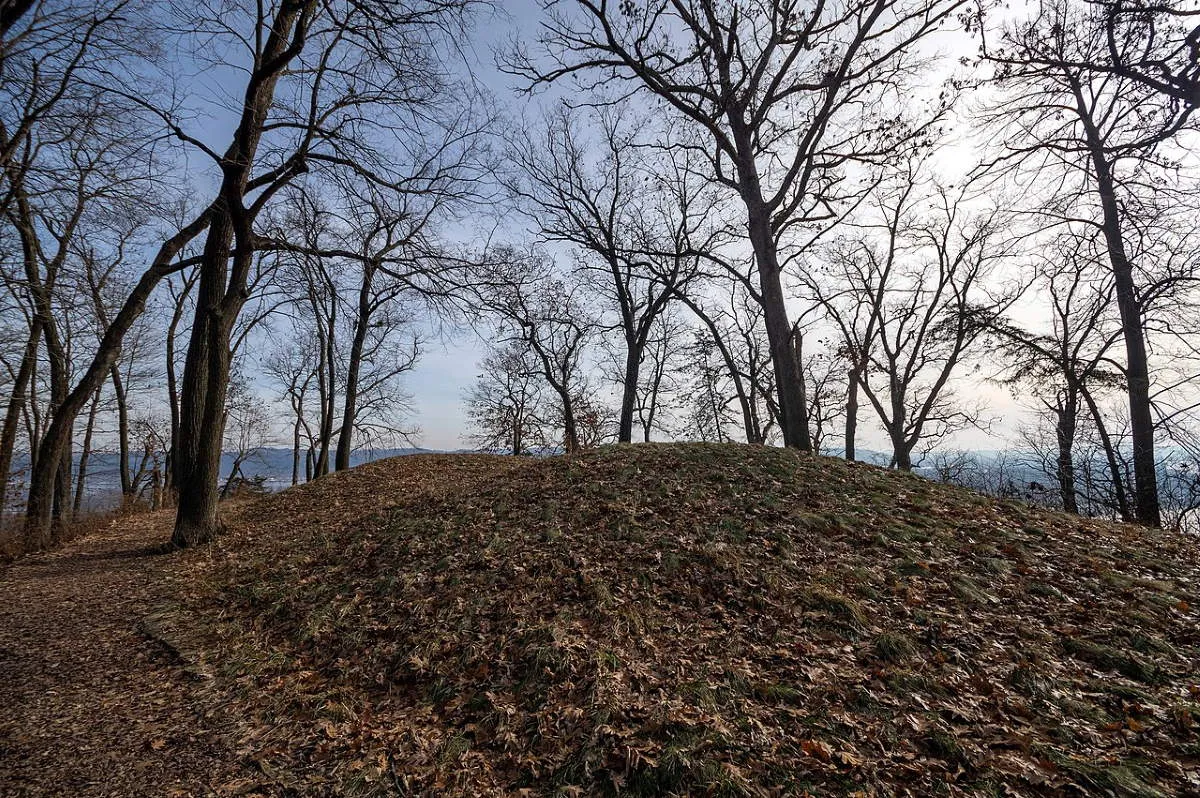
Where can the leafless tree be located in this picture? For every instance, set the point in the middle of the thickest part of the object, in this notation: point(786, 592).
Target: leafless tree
point(1095, 140)
point(909, 298)
point(1156, 44)
point(1067, 366)
point(548, 313)
point(505, 403)
point(247, 430)
point(779, 97)
point(326, 81)
point(628, 216)
point(735, 332)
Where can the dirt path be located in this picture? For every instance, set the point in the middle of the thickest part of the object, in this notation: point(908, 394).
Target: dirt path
point(89, 705)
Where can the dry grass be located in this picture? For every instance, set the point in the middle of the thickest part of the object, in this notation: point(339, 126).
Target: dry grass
point(14, 543)
point(695, 619)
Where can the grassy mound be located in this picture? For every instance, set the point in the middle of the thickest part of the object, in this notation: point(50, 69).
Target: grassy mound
point(699, 620)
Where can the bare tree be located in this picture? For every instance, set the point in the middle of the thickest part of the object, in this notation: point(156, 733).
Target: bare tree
point(607, 206)
point(1156, 44)
point(325, 81)
point(1095, 138)
point(909, 299)
point(780, 97)
point(548, 314)
point(247, 431)
point(1067, 365)
point(504, 404)
point(735, 330)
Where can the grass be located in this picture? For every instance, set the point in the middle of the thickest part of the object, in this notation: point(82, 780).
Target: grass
point(699, 619)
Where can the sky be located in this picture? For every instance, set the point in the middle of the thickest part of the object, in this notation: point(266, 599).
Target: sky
point(447, 368)
point(449, 362)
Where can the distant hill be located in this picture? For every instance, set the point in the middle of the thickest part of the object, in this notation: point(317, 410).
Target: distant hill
point(696, 620)
point(273, 464)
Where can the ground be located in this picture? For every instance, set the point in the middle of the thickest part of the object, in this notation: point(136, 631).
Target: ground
point(92, 705)
point(649, 620)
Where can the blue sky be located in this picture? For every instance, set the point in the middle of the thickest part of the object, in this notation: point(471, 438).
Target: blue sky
point(447, 367)
point(449, 363)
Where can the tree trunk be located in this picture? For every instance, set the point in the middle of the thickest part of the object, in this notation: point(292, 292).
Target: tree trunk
point(798, 357)
point(16, 402)
point(38, 517)
point(122, 431)
point(570, 428)
point(851, 413)
point(633, 363)
point(296, 451)
point(84, 455)
point(793, 416)
point(329, 404)
point(350, 404)
point(172, 380)
point(1137, 375)
point(1064, 431)
point(749, 420)
point(1110, 455)
point(901, 448)
point(222, 290)
point(204, 387)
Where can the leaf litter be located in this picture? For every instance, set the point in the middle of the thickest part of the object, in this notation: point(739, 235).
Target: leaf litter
point(693, 619)
point(682, 619)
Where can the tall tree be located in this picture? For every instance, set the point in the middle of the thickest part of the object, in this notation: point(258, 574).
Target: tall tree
point(548, 313)
point(1094, 139)
point(910, 298)
point(602, 204)
point(780, 96)
point(505, 403)
point(327, 82)
point(1067, 364)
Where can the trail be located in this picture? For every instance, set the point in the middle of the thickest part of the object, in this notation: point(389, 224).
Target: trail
point(90, 705)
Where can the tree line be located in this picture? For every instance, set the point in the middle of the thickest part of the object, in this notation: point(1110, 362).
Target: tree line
point(765, 221)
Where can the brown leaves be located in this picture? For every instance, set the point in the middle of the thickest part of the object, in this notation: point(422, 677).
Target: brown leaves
point(817, 749)
point(696, 620)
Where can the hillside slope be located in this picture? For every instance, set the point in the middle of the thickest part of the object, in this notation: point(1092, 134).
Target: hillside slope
point(696, 619)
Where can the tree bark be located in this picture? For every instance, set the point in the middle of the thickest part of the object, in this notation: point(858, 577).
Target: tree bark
point(204, 387)
point(122, 431)
point(57, 435)
point(1064, 431)
point(84, 455)
point(173, 382)
point(633, 363)
point(851, 413)
point(328, 401)
point(1137, 375)
point(16, 403)
point(793, 414)
point(802, 386)
point(222, 285)
point(902, 453)
point(350, 404)
point(296, 451)
point(570, 428)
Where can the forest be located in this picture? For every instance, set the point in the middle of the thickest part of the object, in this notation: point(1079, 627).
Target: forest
point(229, 226)
point(796, 398)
